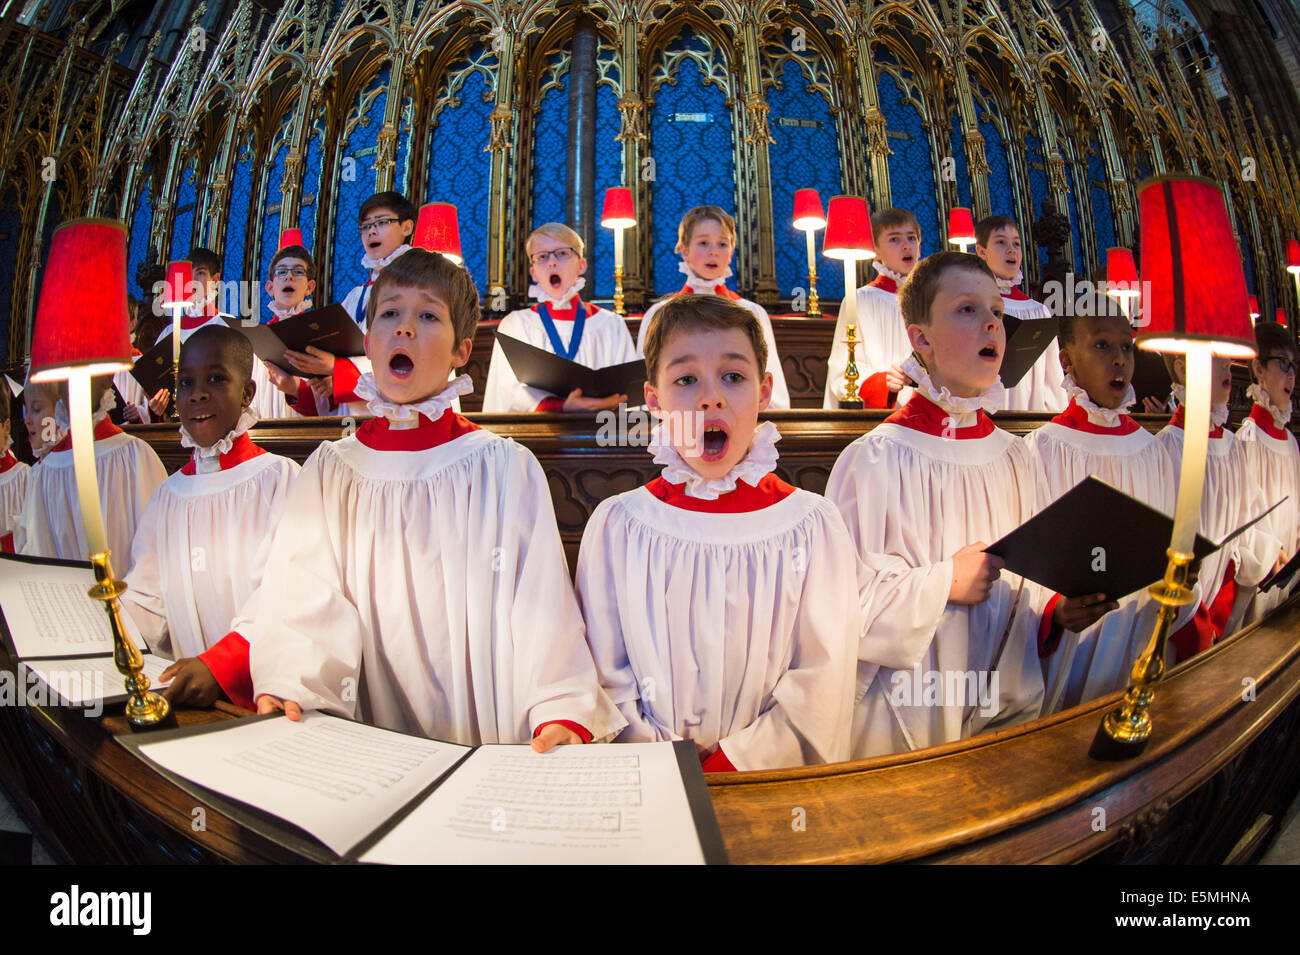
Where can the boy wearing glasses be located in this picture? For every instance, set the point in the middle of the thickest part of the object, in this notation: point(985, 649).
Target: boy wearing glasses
point(385, 222)
point(293, 279)
point(561, 323)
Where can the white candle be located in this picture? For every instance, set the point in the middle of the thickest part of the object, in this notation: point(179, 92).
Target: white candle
point(812, 252)
point(1196, 444)
point(176, 334)
point(83, 461)
point(618, 247)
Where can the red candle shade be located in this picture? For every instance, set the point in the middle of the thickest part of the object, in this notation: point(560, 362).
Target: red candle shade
point(961, 226)
point(291, 237)
point(180, 283)
point(1281, 317)
point(848, 229)
point(1121, 274)
point(1193, 285)
point(1293, 256)
point(1254, 307)
point(808, 210)
point(438, 230)
point(618, 211)
point(81, 317)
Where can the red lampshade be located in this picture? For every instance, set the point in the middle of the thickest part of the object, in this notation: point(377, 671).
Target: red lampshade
point(81, 317)
point(618, 212)
point(1281, 317)
point(848, 229)
point(1293, 256)
point(1193, 285)
point(808, 210)
point(1254, 307)
point(1121, 274)
point(961, 226)
point(438, 230)
point(291, 237)
point(180, 282)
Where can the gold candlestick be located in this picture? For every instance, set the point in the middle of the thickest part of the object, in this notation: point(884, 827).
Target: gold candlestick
point(814, 303)
point(851, 401)
point(618, 291)
point(144, 708)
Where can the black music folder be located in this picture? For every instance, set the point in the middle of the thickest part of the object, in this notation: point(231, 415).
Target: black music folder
point(1027, 338)
point(329, 328)
point(538, 368)
point(1284, 575)
point(153, 369)
point(1095, 539)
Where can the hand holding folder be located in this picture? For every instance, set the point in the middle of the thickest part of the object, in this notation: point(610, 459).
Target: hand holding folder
point(330, 329)
point(1027, 339)
point(538, 368)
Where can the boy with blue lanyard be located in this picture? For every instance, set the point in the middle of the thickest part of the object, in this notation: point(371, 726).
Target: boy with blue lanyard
point(561, 323)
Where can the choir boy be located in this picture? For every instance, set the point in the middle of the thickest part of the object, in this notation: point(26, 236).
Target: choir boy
point(1230, 498)
point(200, 549)
point(202, 311)
point(882, 337)
point(291, 282)
point(13, 476)
point(417, 574)
point(560, 323)
point(41, 414)
point(1094, 436)
point(719, 600)
point(947, 644)
point(706, 241)
point(386, 222)
point(127, 469)
point(997, 242)
point(1272, 457)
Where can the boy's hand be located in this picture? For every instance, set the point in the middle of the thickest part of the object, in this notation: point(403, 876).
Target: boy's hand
point(1154, 406)
point(323, 389)
point(192, 683)
point(315, 363)
point(973, 574)
point(158, 403)
point(895, 379)
point(1079, 613)
point(1281, 561)
point(551, 736)
point(131, 414)
point(282, 381)
point(576, 403)
point(266, 703)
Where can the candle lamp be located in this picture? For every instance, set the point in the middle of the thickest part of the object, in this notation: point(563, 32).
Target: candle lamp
point(178, 295)
point(961, 228)
point(618, 213)
point(1122, 278)
point(848, 238)
point(437, 229)
point(808, 218)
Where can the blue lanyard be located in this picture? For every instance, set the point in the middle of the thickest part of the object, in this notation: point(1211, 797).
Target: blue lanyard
point(360, 316)
point(579, 319)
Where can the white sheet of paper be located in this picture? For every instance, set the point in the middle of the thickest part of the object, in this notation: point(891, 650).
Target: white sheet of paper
point(622, 803)
point(336, 779)
point(94, 680)
point(50, 613)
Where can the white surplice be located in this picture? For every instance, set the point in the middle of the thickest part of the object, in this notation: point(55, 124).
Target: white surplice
point(1273, 463)
point(911, 500)
point(426, 592)
point(729, 629)
point(882, 341)
point(1043, 387)
point(13, 493)
point(200, 550)
point(605, 341)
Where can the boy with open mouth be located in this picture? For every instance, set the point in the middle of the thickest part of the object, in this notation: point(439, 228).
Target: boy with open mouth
point(418, 577)
point(923, 494)
point(719, 600)
point(562, 323)
point(882, 335)
point(291, 282)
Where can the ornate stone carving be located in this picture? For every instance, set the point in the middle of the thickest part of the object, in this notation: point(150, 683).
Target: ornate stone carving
point(502, 118)
point(976, 161)
point(756, 110)
point(877, 138)
point(631, 110)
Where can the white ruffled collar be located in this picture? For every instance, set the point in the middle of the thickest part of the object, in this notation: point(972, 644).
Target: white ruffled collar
point(1281, 416)
point(283, 313)
point(207, 460)
point(1006, 285)
point(898, 278)
point(1218, 413)
point(107, 402)
point(760, 460)
point(1105, 417)
point(701, 285)
point(377, 265)
point(544, 295)
point(964, 411)
point(407, 416)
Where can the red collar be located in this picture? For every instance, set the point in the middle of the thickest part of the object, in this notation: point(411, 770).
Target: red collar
point(771, 490)
point(570, 312)
point(1264, 419)
point(105, 429)
point(1179, 420)
point(191, 322)
point(377, 435)
point(922, 414)
point(1076, 418)
point(1016, 295)
point(884, 283)
point(243, 449)
point(8, 461)
point(135, 352)
point(718, 289)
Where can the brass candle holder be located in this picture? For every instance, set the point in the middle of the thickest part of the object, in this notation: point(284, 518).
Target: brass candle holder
point(851, 400)
point(618, 292)
point(144, 708)
point(814, 303)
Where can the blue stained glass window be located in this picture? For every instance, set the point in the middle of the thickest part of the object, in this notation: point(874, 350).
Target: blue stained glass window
point(139, 241)
point(1101, 212)
point(11, 230)
point(550, 145)
point(356, 159)
point(1037, 184)
point(183, 223)
point(690, 134)
point(911, 170)
point(957, 149)
point(460, 171)
point(802, 156)
point(237, 225)
point(609, 172)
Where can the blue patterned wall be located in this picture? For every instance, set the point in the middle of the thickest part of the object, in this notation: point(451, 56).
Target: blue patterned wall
point(1077, 260)
point(1101, 214)
point(311, 186)
point(138, 249)
point(801, 157)
point(911, 173)
point(1037, 186)
point(10, 229)
point(550, 147)
point(1002, 198)
point(693, 161)
point(183, 223)
point(346, 270)
point(271, 223)
point(460, 171)
point(958, 152)
point(241, 192)
point(402, 154)
point(609, 172)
